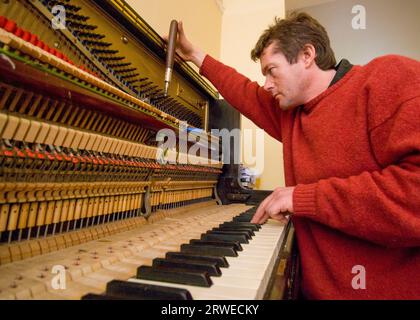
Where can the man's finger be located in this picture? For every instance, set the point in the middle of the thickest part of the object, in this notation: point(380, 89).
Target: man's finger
point(264, 218)
point(260, 213)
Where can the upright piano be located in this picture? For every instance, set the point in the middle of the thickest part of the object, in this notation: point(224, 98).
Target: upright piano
point(90, 206)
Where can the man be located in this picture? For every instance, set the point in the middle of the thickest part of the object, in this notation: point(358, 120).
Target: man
point(351, 140)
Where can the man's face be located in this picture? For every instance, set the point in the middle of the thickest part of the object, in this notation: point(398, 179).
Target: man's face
point(285, 81)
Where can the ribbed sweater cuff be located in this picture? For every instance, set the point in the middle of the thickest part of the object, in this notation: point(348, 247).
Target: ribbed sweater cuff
point(208, 64)
point(304, 203)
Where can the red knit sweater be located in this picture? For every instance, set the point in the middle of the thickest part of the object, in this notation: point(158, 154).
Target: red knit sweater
point(353, 153)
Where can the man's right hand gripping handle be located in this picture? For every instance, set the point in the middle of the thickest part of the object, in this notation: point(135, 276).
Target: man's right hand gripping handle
point(186, 49)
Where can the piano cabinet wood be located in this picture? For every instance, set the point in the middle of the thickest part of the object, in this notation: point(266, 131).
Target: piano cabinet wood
point(285, 279)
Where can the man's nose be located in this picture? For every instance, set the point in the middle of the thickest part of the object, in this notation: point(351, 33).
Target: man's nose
point(268, 84)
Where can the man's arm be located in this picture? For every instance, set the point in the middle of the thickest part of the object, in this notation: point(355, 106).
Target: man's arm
point(248, 97)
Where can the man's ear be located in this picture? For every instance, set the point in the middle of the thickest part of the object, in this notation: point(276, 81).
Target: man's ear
point(308, 55)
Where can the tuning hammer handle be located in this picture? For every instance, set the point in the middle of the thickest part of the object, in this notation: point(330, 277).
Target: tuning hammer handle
point(173, 31)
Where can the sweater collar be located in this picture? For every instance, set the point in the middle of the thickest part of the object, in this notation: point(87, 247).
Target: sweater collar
point(343, 69)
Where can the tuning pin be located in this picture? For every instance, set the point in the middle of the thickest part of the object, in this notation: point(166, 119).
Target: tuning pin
point(80, 34)
point(90, 27)
point(146, 84)
point(148, 92)
point(50, 4)
point(130, 76)
point(161, 96)
point(73, 8)
point(77, 17)
point(126, 70)
point(103, 44)
point(99, 44)
point(119, 65)
point(154, 93)
point(87, 35)
point(80, 26)
point(104, 51)
point(73, 25)
point(135, 80)
point(67, 6)
point(111, 58)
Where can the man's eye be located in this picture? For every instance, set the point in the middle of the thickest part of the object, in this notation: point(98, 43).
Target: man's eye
point(270, 71)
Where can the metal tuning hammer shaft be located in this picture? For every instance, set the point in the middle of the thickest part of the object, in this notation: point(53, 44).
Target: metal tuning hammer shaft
point(170, 54)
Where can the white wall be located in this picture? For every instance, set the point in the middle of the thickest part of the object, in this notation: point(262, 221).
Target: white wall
point(392, 27)
point(243, 23)
point(202, 19)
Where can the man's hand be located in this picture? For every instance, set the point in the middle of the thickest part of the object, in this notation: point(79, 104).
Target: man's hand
point(185, 48)
point(278, 206)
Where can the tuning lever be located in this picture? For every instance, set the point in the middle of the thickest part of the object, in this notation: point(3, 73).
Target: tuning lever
point(173, 30)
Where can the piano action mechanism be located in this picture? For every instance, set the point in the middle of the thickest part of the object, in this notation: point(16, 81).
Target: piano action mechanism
point(87, 209)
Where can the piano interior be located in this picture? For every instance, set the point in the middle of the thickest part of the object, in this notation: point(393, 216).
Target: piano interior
point(88, 209)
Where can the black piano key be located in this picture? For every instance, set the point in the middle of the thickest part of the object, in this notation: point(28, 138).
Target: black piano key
point(220, 261)
point(209, 250)
point(224, 236)
point(142, 291)
point(243, 218)
point(246, 232)
point(247, 213)
point(253, 226)
point(195, 266)
point(251, 210)
point(178, 275)
point(229, 244)
point(244, 215)
point(248, 224)
point(233, 228)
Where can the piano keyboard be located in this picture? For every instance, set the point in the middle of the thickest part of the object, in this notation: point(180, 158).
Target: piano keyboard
point(90, 266)
point(93, 265)
point(246, 277)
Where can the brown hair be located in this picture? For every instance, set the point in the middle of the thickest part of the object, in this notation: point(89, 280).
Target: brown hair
point(290, 36)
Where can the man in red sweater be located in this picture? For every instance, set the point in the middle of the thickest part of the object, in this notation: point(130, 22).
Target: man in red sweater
point(351, 140)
